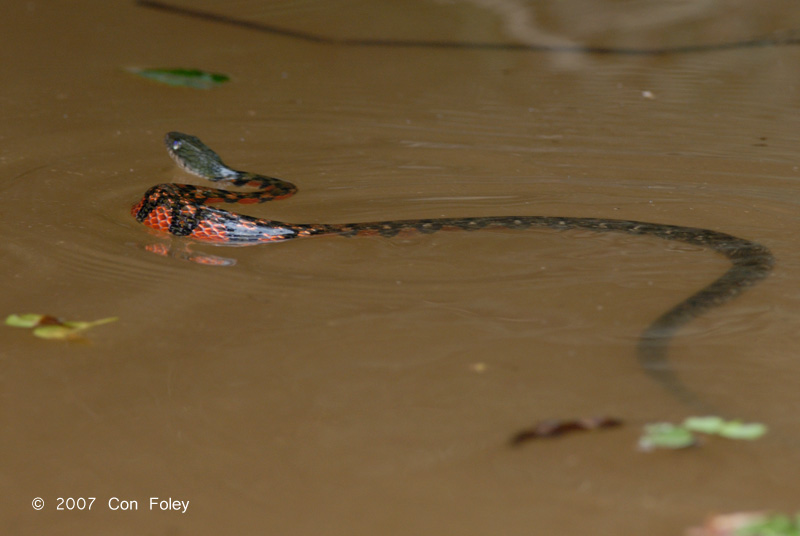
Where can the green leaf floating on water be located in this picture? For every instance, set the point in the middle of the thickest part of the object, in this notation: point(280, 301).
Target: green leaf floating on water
point(721, 427)
point(773, 525)
point(664, 435)
point(741, 430)
point(706, 425)
point(748, 524)
point(26, 321)
point(678, 436)
point(193, 78)
point(50, 327)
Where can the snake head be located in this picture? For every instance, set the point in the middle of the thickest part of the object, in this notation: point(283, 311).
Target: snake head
point(194, 156)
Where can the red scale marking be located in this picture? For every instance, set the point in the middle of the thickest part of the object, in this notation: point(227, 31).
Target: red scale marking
point(158, 219)
point(210, 232)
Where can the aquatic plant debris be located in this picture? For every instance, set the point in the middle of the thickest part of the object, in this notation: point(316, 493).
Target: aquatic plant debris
point(666, 435)
point(192, 78)
point(555, 427)
point(730, 429)
point(748, 524)
point(772, 525)
point(51, 327)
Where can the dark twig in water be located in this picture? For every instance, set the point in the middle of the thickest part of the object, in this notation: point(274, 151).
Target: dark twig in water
point(555, 428)
point(783, 39)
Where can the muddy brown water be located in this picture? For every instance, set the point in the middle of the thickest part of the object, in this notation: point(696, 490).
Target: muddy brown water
point(369, 386)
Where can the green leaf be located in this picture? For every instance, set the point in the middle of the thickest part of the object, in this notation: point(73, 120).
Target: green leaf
point(87, 325)
point(774, 525)
point(706, 425)
point(192, 78)
point(666, 435)
point(729, 429)
point(68, 330)
point(50, 327)
point(24, 321)
point(55, 332)
point(739, 430)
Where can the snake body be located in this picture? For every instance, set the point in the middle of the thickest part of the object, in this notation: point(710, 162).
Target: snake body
point(182, 210)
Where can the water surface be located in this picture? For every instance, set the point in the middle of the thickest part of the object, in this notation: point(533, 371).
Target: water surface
point(369, 386)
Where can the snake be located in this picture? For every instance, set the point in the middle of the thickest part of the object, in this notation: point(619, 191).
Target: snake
point(183, 210)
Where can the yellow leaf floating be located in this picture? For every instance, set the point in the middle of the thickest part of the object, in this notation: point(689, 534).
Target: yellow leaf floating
point(28, 321)
point(51, 327)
